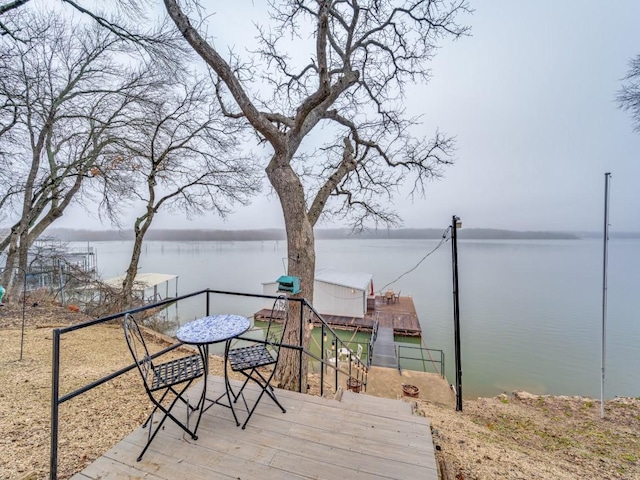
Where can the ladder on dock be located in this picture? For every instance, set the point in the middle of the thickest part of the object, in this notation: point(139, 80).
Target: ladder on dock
point(384, 353)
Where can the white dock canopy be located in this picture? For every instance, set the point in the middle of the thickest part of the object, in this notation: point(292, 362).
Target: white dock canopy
point(336, 292)
point(147, 281)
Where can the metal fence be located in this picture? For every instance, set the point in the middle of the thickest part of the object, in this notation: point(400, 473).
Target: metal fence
point(421, 359)
point(309, 318)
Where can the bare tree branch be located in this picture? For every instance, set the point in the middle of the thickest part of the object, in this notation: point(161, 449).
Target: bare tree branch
point(72, 98)
point(6, 7)
point(362, 54)
point(628, 96)
point(183, 156)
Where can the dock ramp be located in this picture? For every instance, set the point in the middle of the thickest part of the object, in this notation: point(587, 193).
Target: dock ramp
point(384, 349)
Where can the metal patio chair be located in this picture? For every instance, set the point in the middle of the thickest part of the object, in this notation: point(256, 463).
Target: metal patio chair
point(160, 379)
point(358, 355)
point(331, 358)
point(251, 360)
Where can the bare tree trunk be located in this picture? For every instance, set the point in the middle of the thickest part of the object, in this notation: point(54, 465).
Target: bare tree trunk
point(23, 258)
point(12, 260)
point(354, 167)
point(140, 229)
point(301, 263)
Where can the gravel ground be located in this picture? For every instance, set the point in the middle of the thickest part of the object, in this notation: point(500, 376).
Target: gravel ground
point(521, 436)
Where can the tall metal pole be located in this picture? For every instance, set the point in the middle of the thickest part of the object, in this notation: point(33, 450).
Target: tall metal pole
point(607, 177)
point(455, 221)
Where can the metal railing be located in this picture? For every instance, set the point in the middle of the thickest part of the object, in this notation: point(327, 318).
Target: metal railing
point(372, 341)
point(355, 368)
point(421, 356)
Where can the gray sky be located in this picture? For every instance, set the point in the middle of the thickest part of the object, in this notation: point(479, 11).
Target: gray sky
point(530, 97)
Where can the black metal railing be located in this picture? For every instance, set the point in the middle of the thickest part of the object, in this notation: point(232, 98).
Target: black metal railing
point(421, 357)
point(354, 368)
point(372, 342)
point(341, 360)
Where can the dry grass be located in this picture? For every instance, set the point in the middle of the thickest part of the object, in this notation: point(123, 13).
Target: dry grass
point(527, 436)
point(516, 437)
point(91, 423)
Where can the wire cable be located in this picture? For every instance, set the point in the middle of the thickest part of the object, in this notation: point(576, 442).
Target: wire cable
point(445, 238)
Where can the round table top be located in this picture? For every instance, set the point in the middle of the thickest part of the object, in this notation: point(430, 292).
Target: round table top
point(212, 329)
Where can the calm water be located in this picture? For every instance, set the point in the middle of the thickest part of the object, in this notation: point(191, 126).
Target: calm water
point(530, 311)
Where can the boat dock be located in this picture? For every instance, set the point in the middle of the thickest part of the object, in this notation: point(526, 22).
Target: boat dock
point(399, 316)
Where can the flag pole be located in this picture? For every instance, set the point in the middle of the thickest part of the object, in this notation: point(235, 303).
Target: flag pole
point(607, 177)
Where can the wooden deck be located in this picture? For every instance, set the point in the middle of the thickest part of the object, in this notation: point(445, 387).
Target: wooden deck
point(360, 437)
point(400, 316)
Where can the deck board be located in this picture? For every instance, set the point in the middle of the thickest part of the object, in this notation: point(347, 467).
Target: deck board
point(359, 437)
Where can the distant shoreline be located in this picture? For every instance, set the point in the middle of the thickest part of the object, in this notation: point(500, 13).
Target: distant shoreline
point(66, 234)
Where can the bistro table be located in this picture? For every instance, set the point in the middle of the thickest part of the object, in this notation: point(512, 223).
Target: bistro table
point(344, 354)
point(389, 296)
point(204, 331)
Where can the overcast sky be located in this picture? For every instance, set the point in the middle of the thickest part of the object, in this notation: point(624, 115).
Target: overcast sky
point(530, 97)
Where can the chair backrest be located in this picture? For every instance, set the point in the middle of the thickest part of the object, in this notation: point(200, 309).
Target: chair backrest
point(273, 337)
point(138, 348)
point(359, 352)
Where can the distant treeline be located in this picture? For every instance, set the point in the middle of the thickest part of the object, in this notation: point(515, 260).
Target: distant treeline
point(279, 234)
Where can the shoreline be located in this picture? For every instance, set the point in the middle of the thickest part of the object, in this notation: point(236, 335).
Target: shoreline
point(278, 234)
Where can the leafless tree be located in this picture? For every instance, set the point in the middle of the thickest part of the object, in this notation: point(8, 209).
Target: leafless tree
point(362, 55)
point(72, 96)
point(126, 19)
point(629, 95)
point(181, 154)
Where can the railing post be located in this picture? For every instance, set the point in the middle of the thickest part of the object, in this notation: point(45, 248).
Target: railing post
point(322, 358)
point(334, 343)
point(55, 394)
point(302, 306)
point(442, 369)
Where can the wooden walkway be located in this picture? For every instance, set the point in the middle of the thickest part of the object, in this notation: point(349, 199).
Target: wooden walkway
point(384, 352)
point(401, 317)
point(360, 437)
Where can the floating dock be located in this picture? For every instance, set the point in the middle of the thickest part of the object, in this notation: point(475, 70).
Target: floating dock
point(400, 316)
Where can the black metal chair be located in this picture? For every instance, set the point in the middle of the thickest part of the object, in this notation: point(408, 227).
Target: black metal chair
point(251, 361)
point(161, 379)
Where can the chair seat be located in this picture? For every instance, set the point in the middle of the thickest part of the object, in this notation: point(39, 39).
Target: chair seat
point(165, 383)
point(250, 357)
point(176, 371)
point(249, 360)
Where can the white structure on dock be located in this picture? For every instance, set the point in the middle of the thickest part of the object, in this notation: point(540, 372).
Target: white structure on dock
point(145, 285)
point(336, 293)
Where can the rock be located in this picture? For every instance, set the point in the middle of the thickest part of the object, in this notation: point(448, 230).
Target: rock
point(521, 395)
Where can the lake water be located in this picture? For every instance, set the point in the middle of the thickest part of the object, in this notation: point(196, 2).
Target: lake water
point(530, 311)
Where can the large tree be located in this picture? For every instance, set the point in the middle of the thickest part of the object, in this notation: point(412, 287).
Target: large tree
point(70, 97)
point(341, 65)
point(629, 95)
